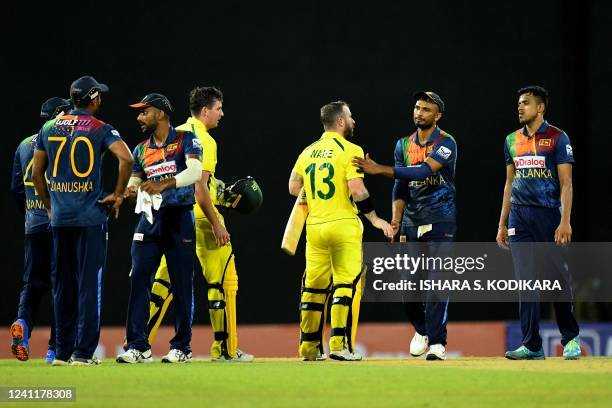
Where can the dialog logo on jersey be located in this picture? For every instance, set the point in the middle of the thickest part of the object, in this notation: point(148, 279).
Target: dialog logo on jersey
point(161, 169)
point(530, 162)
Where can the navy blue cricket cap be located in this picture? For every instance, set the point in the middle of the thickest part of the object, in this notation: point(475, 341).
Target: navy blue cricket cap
point(86, 88)
point(430, 96)
point(155, 100)
point(53, 107)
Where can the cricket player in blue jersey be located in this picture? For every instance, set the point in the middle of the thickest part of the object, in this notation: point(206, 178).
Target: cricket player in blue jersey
point(69, 149)
point(424, 208)
point(168, 162)
point(38, 242)
point(537, 205)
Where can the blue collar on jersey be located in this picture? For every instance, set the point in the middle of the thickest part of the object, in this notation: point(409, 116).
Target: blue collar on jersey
point(434, 136)
point(169, 139)
point(79, 112)
point(542, 129)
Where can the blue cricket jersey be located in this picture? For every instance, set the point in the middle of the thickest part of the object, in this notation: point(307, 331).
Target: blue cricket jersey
point(535, 159)
point(162, 162)
point(28, 201)
point(431, 200)
point(75, 144)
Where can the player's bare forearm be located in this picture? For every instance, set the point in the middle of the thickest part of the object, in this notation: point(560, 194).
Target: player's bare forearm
point(203, 199)
point(39, 167)
point(397, 213)
point(125, 170)
point(381, 224)
point(397, 210)
point(567, 191)
point(295, 184)
point(157, 187)
point(371, 216)
point(126, 161)
point(502, 229)
point(505, 210)
point(566, 202)
point(563, 233)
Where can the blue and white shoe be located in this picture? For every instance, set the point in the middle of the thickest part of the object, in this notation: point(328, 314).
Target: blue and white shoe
point(523, 353)
point(19, 345)
point(572, 351)
point(50, 356)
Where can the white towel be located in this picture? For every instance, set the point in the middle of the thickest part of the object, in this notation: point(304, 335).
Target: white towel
point(144, 203)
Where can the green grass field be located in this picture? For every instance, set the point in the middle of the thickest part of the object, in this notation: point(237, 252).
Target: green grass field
point(463, 382)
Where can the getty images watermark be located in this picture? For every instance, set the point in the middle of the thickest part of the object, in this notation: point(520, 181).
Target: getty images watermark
point(482, 272)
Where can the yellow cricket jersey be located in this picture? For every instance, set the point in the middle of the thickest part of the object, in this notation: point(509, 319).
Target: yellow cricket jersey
point(209, 158)
point(326, 168)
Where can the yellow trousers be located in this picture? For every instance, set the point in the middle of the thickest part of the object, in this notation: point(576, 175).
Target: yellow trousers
point(333, 267)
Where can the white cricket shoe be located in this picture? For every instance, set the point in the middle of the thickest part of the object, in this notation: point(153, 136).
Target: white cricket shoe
point(223, 359)
point(418, 345)
point(77, 361)
point(57, 362)
point(344, 355)
point(133, 356)
point(315, 357)
point(436, 352)
point(243, 357)
point(176, 356)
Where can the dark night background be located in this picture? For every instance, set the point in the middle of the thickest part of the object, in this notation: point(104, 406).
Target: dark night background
point(277, 63)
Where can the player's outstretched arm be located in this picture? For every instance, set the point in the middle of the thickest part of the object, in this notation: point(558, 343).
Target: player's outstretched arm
point(362, 199)
point(202, 196)
point(410, 173)
point(502, 230)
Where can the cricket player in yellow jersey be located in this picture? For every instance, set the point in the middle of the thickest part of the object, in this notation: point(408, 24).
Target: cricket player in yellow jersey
point(335, 194)
point(213, 246)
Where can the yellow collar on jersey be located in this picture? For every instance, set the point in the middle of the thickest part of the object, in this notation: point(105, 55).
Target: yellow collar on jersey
point(197, 123)
point(331, 135)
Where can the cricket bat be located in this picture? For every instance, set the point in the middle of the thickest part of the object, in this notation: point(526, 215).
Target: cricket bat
point(295, 224)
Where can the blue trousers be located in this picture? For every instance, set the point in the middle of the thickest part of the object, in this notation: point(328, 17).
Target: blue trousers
point(80, 254)
point(38, 263)
point(173, 235)
point(429, 318)
point(538, 224)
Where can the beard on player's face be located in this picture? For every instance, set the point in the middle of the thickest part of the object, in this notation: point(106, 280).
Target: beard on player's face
point(424, 124)
point(147, 127)
point(348, 132)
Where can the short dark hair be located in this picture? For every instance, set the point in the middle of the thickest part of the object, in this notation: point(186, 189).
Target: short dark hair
point(331, 112)
point(202, 96)
point(82, 104)
point(538, 91)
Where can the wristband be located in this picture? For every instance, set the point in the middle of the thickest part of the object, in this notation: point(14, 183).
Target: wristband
point(365, 206)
